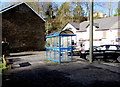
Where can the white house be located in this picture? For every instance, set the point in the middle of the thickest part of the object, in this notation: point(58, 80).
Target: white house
point(74, 27)
point(105, 31)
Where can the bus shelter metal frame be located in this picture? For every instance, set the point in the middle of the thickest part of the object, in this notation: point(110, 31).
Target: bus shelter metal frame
point(59, 35)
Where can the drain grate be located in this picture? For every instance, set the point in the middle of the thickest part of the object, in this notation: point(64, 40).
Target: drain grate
point(24, 64)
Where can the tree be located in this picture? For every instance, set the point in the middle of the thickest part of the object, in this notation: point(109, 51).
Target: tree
point(86, 6)
point(108, 7)
point(117, 10)
point(78, 13)
point(35, 6)
point(64, 14)
point(50, 10)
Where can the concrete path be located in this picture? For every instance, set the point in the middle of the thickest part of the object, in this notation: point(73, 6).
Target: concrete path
point(31, 57)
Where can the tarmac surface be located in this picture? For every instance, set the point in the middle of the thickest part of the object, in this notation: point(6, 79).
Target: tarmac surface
point(30, 70)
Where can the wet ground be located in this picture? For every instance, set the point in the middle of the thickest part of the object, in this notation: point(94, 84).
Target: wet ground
point(29, 70)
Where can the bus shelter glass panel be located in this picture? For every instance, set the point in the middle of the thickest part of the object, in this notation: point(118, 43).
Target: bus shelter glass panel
point(66, 48)
point(58, 48)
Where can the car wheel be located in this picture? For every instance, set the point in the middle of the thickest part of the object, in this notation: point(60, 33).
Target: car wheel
point(87, 57)
point(118, 59)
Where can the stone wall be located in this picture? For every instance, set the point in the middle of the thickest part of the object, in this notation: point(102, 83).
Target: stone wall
point(23, 29)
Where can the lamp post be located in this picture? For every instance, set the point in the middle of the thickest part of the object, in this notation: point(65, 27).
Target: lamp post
point(91, 32)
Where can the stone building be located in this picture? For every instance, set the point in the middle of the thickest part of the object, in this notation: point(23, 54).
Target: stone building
point(23, 28)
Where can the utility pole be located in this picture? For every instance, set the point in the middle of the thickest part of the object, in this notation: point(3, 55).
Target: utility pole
point(91, 32)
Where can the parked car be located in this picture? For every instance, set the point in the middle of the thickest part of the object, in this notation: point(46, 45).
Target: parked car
point(104, 52)
point(75, 51)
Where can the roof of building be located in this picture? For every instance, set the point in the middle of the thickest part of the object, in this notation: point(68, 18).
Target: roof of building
point(76, 25)
point(15, 5)
point(62, 33)
point(107, 23)
point(100, 24)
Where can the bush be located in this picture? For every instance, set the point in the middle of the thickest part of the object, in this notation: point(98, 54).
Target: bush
point(2, 66)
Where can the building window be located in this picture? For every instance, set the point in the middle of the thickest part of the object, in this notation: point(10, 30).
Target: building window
point(117, 39)
point(104, 34)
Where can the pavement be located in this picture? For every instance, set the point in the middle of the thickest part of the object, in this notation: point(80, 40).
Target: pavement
point(30, 70)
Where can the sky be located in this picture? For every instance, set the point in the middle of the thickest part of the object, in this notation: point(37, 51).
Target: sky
point(62, 0)
point(59, 2)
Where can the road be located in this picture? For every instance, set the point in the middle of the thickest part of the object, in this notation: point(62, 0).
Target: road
point(31, 70)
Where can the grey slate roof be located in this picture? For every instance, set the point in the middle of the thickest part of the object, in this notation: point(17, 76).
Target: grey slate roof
point(107, 23)
point(76, 25)
point(101, 24)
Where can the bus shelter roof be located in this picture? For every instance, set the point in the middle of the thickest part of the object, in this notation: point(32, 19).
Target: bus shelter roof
point(61, 33)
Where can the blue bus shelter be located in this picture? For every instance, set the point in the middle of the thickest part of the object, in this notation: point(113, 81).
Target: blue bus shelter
point(59, 46)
